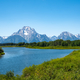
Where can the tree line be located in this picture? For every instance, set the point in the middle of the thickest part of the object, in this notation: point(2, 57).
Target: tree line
point(58, 42)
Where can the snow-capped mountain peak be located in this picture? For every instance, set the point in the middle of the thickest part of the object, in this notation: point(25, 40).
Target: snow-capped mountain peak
point(67, 36)
point(66, 33)
point(25, 31)
point(30, 35)
point(26, 28)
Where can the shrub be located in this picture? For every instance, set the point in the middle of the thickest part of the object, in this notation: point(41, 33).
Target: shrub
point(10, 74)
point(1, 50)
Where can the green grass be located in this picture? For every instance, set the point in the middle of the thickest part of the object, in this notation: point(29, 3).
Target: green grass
point(66, 68)
point(54, 47)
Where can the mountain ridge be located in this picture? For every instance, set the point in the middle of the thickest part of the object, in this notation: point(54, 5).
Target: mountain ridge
point(28, 34)
point(14, 39)
point(67, 36)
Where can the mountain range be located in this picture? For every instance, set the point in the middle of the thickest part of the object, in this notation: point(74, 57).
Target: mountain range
point(28, 35)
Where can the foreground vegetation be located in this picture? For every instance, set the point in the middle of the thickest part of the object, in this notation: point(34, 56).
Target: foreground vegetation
point(58, 44)
point(1, 52)
point(66, 68)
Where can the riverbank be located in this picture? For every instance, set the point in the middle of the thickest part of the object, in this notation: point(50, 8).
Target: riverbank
point(49, 47)
point(2, 53)
point(54, 47)
point(66, 68)
point(57, 44)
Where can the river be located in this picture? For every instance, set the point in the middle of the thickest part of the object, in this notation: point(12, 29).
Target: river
point(17, 58)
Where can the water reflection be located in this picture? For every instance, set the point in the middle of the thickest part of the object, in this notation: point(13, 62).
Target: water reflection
point(1, 56)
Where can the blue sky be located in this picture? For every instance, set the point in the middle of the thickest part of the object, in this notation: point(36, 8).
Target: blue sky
point(50, 17)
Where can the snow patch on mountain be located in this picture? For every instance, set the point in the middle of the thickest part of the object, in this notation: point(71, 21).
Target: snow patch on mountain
point(65, 34)
point(5, 37)
point(25, 32)
point(78, 36)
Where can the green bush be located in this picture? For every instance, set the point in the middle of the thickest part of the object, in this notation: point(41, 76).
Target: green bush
point(10, 74)
point(67, 68)
point(1, 50)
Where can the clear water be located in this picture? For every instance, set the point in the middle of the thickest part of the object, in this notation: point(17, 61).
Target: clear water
point(17, 58)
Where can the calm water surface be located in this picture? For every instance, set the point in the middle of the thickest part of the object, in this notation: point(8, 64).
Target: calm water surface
point(17, 58)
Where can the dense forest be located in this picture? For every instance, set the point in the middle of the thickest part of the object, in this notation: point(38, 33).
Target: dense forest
point(45, 44)
point(66, 68)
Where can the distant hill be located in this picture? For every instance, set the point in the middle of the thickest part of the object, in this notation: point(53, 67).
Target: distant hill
point(14, 39)
point(53, 38)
